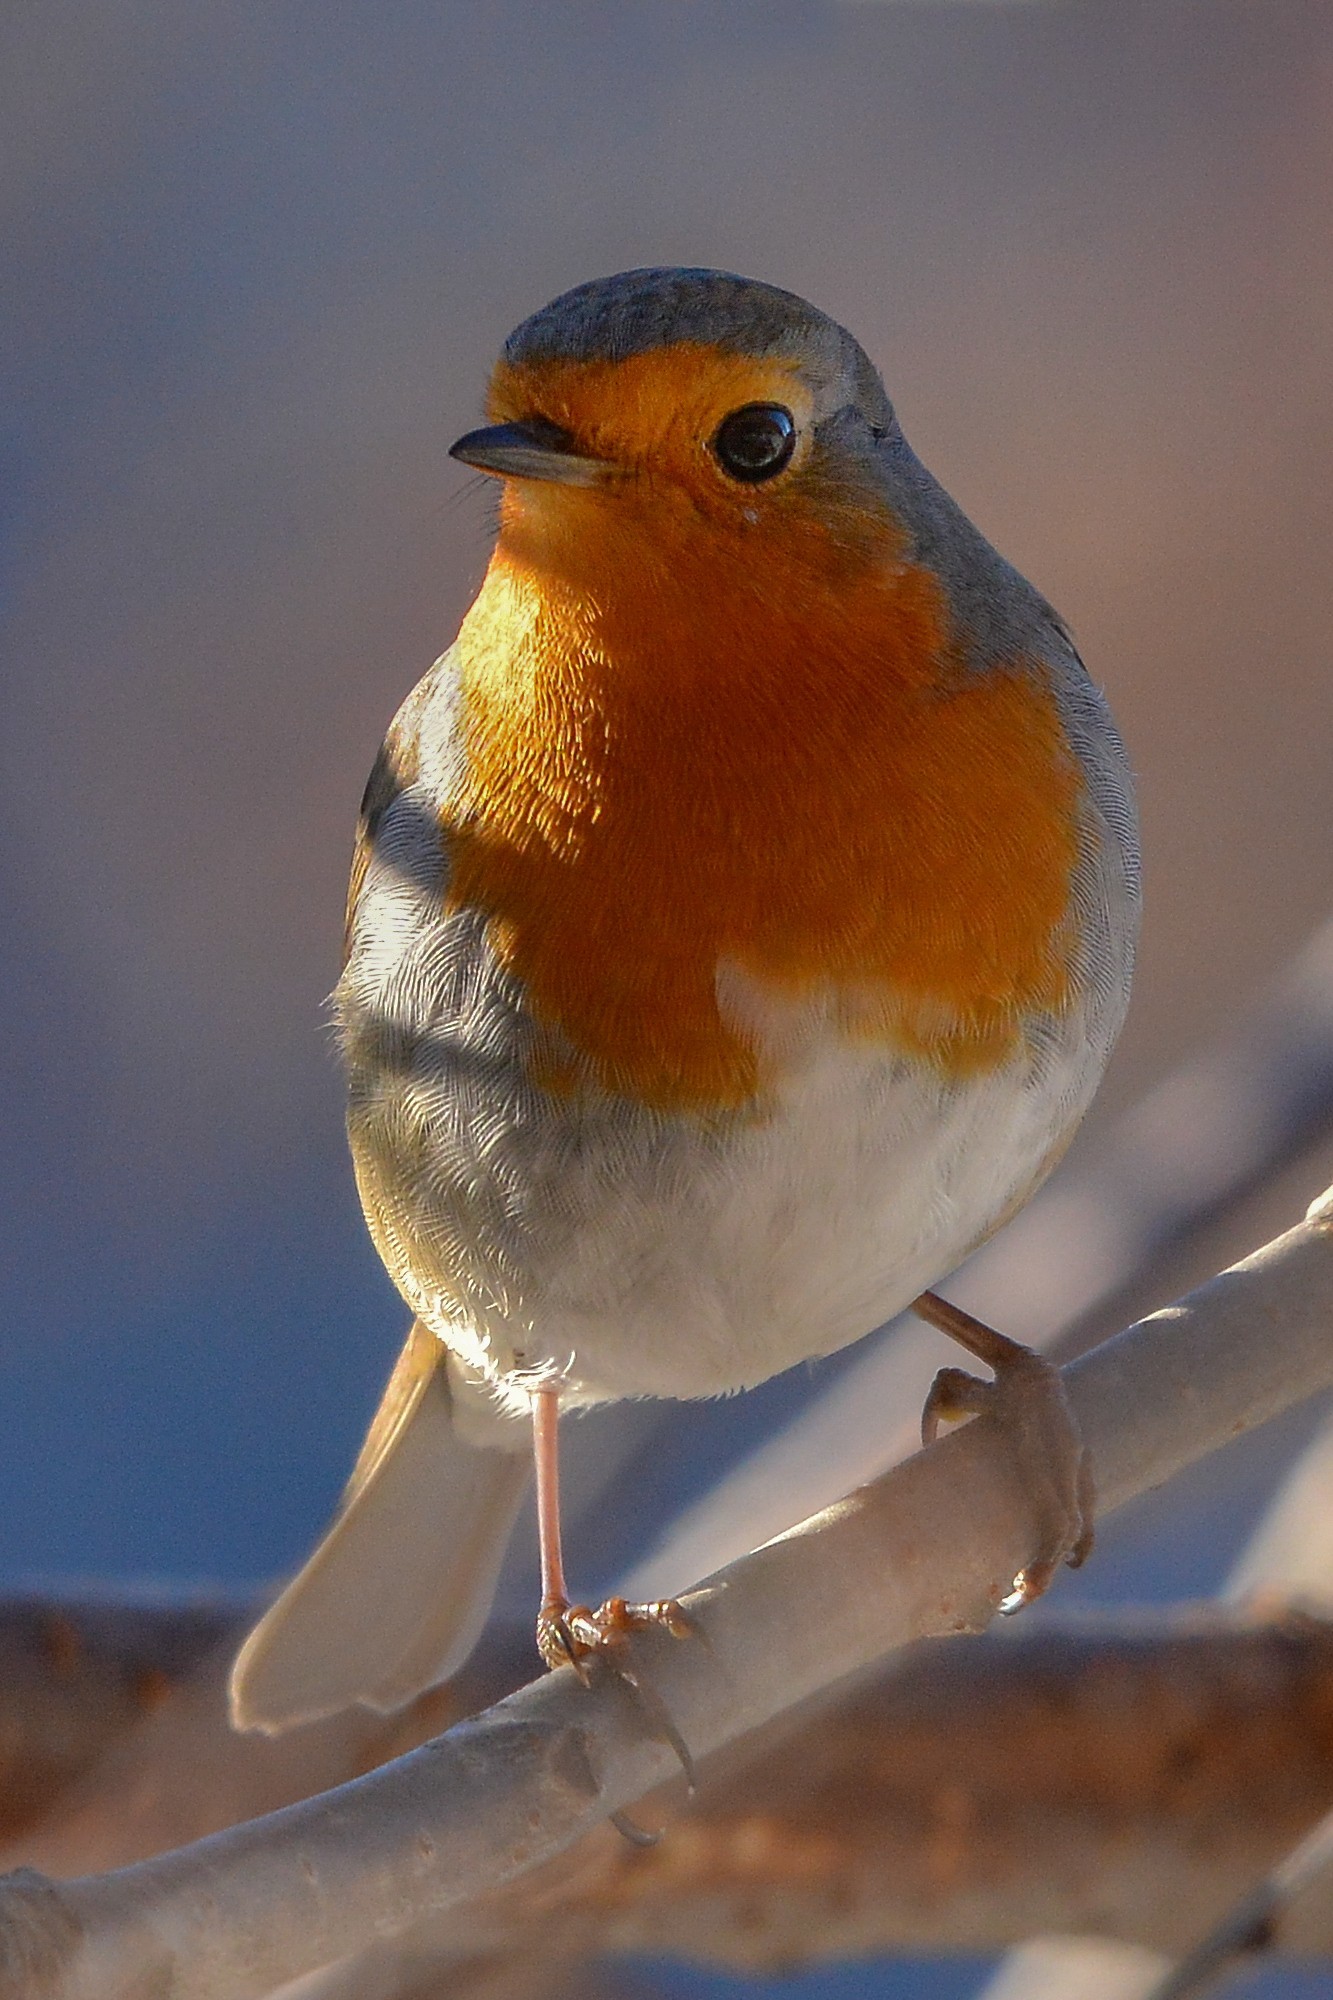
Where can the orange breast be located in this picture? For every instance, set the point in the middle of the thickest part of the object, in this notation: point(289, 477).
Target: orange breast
point(684, 751)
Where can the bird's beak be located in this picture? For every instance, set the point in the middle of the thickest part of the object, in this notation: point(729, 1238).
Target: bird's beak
point(532, 450)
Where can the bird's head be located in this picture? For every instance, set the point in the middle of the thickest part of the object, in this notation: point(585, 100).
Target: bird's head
point(673, 416)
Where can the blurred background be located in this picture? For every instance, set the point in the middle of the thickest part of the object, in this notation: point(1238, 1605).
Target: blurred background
point(259, 261)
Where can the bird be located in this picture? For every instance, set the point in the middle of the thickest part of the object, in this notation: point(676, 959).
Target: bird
point(742, 913)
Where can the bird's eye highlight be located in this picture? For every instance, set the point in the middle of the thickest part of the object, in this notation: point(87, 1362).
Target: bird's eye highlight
point(755, 442)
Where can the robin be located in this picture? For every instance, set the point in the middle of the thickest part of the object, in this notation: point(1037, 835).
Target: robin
point(741, 916)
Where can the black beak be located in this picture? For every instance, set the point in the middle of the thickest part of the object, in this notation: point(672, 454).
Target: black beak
point(534, 450)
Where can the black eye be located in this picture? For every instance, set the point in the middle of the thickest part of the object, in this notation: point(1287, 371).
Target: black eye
point(756, 441)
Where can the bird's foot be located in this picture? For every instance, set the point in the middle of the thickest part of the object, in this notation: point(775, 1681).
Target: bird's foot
point(1027, 1400)
point(572, 1635)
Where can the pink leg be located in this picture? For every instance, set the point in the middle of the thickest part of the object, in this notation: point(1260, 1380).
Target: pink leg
point(571, 1635)
point(567, 1635)
point(546, 1456)
point(556, 1641)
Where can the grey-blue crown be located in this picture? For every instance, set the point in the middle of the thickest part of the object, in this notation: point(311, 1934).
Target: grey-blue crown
point(609, 319)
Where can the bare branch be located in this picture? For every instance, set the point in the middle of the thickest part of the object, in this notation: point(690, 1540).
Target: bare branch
point(115, 1742)
point(961, 1796)
point(928, 1549)
point(1122, 1781)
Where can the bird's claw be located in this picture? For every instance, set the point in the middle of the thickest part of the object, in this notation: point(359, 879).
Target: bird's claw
point(1028, 1401)
point(572, 1635)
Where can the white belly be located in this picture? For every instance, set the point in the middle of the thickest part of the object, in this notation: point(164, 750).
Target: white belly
point(870, 1179)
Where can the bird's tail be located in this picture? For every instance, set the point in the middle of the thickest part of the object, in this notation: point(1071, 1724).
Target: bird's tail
point(395, 1596)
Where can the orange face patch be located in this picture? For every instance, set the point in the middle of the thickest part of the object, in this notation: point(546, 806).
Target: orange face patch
point(708, 723)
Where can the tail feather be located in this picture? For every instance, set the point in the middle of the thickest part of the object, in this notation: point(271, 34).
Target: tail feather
point(395, 1596)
